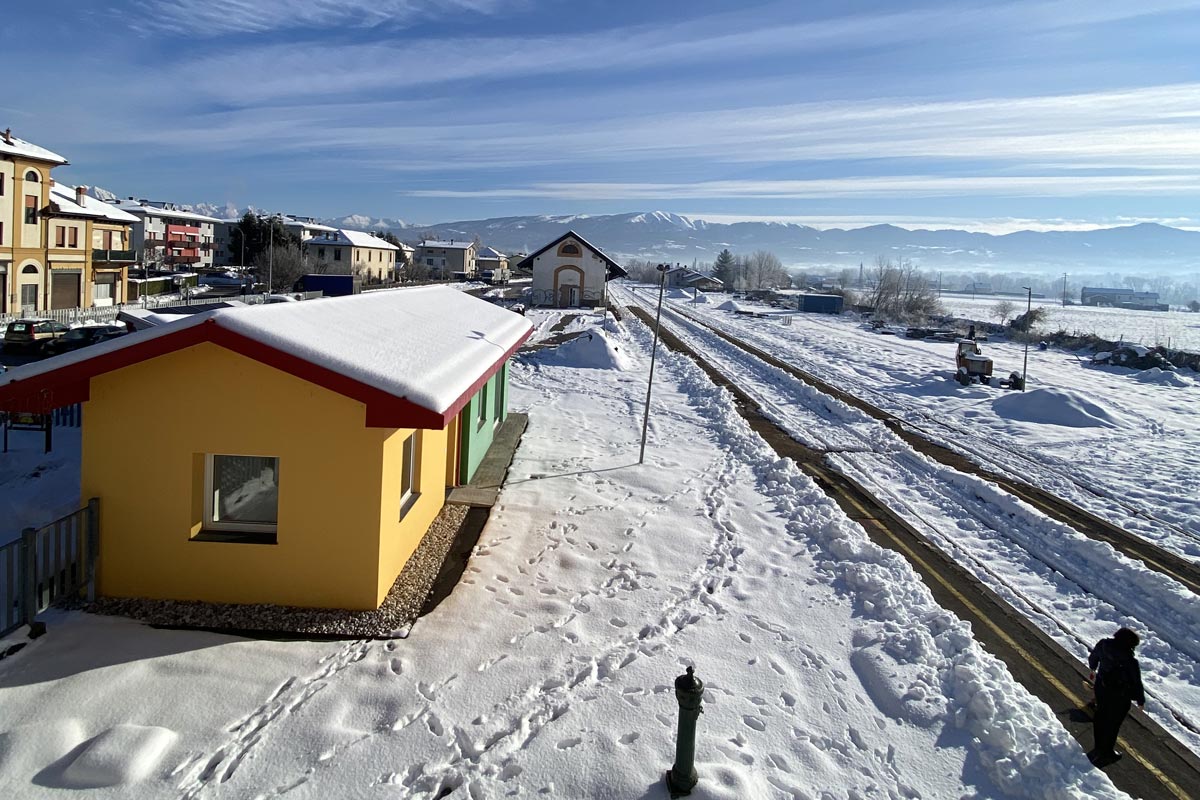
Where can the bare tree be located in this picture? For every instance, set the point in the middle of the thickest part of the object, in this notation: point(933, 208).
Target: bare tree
point(283, 264)
point(1003, 310)
point(900, 292)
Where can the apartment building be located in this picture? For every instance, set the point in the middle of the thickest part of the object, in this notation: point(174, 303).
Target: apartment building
point(446, 259)
point(356, 252)
point(99, 238)
point(59, 248)
point(170, 239)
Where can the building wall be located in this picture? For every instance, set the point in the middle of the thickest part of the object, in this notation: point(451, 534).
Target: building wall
point(476, 437)
point(549, 276)
point(399, 537)
point(34, 247)
point(336, 484)
point(448, 259)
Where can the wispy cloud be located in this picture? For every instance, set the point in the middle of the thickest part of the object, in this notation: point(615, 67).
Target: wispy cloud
point(1149, 129)
point(868, 186)
point(214, 18)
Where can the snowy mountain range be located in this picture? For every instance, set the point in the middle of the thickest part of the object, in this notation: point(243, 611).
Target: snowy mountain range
point(659, 235)
point(662, 236)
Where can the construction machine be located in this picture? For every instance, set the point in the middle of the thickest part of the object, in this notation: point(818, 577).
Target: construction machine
point(972, 365)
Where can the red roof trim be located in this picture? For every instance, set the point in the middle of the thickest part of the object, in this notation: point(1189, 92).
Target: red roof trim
point(466, 396)
point(70, 384)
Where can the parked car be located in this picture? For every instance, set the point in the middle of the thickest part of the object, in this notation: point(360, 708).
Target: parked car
point(82, 337)
point(224, 279)
point(279, 298)
point(31, 334)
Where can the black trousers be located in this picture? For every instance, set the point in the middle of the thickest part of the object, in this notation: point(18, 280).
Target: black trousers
point(1110, 713)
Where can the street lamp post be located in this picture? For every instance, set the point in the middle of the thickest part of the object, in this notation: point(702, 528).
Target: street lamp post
point(271, 256)
point(662, 283)
point(1028, 310)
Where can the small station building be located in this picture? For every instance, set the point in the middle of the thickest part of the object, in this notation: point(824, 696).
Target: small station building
point(308, 446)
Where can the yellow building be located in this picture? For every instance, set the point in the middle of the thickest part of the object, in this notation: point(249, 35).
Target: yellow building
point(331, 431)
point(25, 247)
point(49, 236)
point(358, 253)
point(104, 237)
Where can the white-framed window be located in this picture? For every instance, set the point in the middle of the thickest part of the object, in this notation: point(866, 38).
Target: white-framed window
point(481, 409)
point(498, 402)
point(410, 468)
point(241, 495)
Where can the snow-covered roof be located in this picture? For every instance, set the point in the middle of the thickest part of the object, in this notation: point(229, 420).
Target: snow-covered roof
point(336, 237)
point(65, 198)
point(489, 254)
point(134, 207)
point(364, 239)
point(12, 146)
point(413, 356)
point(452, 245)
point(308, 225)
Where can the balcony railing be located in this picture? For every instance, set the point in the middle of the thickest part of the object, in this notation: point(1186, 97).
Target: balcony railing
point(181, 260)
point(109, 256)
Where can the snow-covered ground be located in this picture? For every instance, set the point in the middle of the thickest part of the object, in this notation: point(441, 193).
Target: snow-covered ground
point(1178, 329)
point(829, 669)
point(37, 487)
point(1074, 588)
point(1116, 441)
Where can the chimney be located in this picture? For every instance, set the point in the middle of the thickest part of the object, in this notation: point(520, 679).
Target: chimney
point(8, 136)
point(80, 193)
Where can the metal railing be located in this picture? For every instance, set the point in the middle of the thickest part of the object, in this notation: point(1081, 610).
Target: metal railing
point(109, 256)
point(47, 564)
point(67, 315)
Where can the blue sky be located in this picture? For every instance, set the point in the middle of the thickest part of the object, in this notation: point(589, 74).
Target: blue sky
point(1057, 113)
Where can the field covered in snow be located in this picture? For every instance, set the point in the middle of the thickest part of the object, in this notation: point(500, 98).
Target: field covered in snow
point(1178, 329)
point(1072, 587)
point(829, 669)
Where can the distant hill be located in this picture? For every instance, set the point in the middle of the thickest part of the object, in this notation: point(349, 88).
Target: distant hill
point(669, 237)
point(662, 236)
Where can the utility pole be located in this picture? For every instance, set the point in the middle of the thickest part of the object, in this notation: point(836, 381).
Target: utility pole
point(1064, 290)
point(271, 256)
point(662, 283)
point(1028, 309)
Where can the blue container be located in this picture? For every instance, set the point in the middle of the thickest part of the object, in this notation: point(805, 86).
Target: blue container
point(819, 303)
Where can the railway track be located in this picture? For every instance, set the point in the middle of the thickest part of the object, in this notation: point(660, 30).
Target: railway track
point(1158, 765)
point(1180, 569)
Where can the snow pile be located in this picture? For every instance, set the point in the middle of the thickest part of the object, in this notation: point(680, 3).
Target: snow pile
point(1055, 407)
point(1162, 377)
point(593, 350)
point(122, 755)
point(729, 305)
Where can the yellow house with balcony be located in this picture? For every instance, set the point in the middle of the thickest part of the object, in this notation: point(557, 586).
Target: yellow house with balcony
point(59, 248)
point(314, 446)
point(26, 250)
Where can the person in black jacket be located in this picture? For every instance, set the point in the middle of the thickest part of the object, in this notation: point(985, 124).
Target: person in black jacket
point(1118, 681)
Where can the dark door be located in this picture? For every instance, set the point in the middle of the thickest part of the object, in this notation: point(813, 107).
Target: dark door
point(64, 290)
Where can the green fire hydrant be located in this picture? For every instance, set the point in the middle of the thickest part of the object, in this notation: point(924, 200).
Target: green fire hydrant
point(689, 691)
